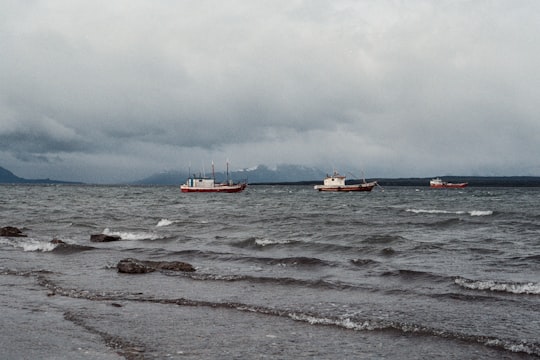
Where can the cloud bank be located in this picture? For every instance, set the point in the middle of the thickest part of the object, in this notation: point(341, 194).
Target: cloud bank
point(107, 91)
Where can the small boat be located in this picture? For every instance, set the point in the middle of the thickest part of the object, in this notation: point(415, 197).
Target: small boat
point(336, 182)
point(439, 184)
point(200, 184)
point(205, 184)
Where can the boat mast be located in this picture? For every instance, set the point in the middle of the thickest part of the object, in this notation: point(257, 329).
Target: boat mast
point(227, 171)
point(213, 173)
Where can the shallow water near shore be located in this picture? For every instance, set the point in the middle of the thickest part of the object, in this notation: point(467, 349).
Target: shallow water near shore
point(281, 272)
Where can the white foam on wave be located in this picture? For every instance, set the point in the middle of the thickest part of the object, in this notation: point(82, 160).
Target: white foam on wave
point(35, 245)
point(514, 347)
point(514, 288)
point(28, 244)
point(133, 235)
point(346, 323)
point(164, 222)
point(434, 211)
point(268, 242)
point(373, 325)
point(457, 212)
point(481, 212)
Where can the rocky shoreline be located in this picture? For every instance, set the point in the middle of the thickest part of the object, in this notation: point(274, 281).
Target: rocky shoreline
point(127, 266)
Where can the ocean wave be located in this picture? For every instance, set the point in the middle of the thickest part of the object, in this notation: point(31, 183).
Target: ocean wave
point(266, 280)
point(383, 239)
point(529, 288)
point(230, 257)
point(349, 323)
point(34, 245)
point(133, 235)
point(434, 211)
point(267, 242)
point(364, 262)
point(444, 223)
point(480, 212)
point(28, 244)
point(411, 275)
point(290, 261)
point(64, 248)
point(535, 258)
point(456, 212)
point(31, 245)
point(261, 242)
point(164, 222)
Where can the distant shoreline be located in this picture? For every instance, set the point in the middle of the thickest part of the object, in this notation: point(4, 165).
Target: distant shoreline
point(266, 177)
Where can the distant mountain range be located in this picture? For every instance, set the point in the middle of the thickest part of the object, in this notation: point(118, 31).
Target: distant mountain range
point(259, 175)
point(291, 174)
point(7, 177)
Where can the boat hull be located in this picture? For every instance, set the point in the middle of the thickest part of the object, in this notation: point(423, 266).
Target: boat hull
point(449, 186)
point(346, 188)
point(217, 188)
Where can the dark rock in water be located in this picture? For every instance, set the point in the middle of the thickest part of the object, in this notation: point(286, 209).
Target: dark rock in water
point(104, 238)
point(11, 231)
point(171, 265)
point(134, 266)
point(65, 248)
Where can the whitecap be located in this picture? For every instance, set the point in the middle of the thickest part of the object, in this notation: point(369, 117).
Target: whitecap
point(346, 323)
point(481, 212)
point(514, 288)
point(35, 245)
point(124, 235)
point(28, 244)
point(164, 222)
point(267, 242)
point(434, 211)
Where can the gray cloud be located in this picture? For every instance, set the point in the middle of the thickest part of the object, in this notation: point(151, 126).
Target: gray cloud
point(110, 91)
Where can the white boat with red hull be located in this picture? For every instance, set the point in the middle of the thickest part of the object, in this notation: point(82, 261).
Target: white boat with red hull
point(438, 183)
point(203, 184)
point(336, 182)
point(198, 184)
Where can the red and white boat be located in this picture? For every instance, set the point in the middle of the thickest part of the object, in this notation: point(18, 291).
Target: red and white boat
point(437, 183)
point(199, 184)
point(336, 182)
point(204, 184)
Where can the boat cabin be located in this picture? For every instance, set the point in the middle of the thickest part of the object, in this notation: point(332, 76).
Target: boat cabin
point(200, 183)
point(334, 180)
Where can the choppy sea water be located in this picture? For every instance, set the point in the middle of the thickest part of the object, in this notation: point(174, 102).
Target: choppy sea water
point(281, 272)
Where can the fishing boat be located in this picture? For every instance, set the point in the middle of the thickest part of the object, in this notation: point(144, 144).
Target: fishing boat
point(205, 184)
point(336, 182)
point(200, 184)
point(438, 183)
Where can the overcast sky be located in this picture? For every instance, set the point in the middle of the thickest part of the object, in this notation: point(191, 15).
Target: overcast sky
point(116, 90)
